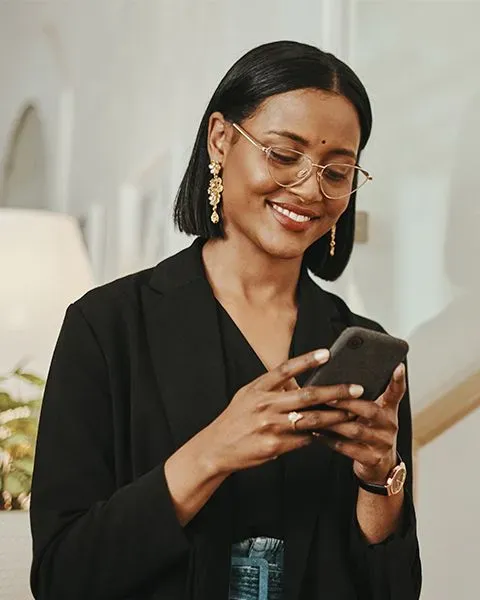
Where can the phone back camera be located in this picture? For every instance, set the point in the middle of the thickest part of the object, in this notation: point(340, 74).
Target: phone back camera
point(355, 342)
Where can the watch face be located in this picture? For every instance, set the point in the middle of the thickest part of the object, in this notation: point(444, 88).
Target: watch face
point(398, 479)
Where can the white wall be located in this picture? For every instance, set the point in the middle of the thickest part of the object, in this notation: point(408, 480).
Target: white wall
point(418, 273)
point(120, 86)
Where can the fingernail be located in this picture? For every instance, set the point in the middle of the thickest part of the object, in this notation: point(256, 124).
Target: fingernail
point(332, 402)
point(355, 391)
point(321, 356)
point(399, 372)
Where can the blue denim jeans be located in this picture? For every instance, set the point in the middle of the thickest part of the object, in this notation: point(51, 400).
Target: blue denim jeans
point(257, 570)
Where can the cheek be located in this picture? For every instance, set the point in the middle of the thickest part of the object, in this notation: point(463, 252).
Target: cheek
point(246, 179)
point(336, 208)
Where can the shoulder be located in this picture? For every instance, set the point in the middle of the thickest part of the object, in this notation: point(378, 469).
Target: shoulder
point(346, 315)
point(117, 308)
point(362, 321)
point(116, 297)
point(124, 294)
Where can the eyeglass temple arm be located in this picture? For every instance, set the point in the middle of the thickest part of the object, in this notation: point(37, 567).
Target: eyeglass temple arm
point(249, 138)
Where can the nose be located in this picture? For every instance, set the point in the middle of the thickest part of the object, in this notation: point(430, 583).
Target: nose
point(309, 190)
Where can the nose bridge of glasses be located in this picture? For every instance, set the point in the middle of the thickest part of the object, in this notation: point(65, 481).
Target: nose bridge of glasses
point(308, 180)
point(314, 167)
point(310, 169)
point(305, 166)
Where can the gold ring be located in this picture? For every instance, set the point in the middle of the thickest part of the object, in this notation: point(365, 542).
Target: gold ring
point(294, 417)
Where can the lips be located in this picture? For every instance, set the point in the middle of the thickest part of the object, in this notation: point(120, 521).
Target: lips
point(291, 216)
point(294, 209)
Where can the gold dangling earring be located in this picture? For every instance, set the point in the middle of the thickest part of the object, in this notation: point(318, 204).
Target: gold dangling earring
point(333, 232)
point(215, 189)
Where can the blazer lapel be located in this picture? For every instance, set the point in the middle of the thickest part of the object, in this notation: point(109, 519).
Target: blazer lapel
point(186, 349)
point(307, 470)
point(181, 319)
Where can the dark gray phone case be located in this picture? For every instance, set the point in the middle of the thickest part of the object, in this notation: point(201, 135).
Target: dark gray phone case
point(364, 357)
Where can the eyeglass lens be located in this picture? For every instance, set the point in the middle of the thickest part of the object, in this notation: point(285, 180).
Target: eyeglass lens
point(289, 167)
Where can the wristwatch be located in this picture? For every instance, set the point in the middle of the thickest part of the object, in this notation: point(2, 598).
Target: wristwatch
point(396, 480)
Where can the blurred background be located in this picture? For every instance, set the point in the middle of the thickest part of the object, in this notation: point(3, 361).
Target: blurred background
point(99, 105)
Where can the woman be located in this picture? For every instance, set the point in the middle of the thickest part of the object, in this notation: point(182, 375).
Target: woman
point(172, 391)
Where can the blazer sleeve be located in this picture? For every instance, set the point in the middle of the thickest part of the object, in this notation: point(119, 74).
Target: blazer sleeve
point(392, 568)
point(91, 538)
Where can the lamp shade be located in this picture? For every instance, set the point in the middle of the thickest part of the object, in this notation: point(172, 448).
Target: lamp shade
point(44, 266)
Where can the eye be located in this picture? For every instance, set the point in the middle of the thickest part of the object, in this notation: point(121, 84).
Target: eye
point(338, 173)
point(285, 156)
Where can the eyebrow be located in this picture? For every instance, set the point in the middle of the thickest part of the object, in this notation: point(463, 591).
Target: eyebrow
point(344, 152)
point(301, 140)
point(289, 134)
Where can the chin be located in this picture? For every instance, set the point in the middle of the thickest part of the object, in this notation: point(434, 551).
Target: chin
point(275, 241)
point(283, 248)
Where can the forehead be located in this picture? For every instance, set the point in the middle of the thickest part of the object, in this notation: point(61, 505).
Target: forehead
point(313, 114)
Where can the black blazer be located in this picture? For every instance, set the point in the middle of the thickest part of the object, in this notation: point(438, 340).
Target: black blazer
point(136, 372)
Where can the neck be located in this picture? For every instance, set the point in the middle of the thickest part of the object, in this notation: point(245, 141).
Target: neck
point(241, 271)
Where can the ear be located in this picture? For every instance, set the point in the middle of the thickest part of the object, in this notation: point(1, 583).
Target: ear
point(219, 137)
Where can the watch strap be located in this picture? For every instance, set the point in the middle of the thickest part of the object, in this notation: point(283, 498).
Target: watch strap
point(377, 488)
point(373, 488)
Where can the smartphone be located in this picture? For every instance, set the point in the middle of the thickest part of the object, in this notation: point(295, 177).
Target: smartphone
point(364, 357)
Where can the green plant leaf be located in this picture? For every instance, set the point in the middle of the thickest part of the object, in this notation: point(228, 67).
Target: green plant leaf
point(7, 402)
point(19, 405)
point(13, 484)
point(16, 483)
point(27, 427)
point(30, 377)
point(25, 465)
point(35, 406)
point(17, 439)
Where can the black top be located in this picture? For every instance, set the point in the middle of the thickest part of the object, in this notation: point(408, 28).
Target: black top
point(257, 492)
point(137, 372)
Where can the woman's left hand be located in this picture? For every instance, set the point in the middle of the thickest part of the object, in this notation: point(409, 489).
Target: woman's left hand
point(371, 439)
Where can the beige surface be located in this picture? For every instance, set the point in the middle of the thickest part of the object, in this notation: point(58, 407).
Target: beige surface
point(15, 556)
point(445, 412)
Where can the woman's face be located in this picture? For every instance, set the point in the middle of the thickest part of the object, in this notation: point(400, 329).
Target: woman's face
point(323, 125)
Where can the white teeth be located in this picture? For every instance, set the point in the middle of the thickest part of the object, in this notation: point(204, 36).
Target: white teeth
point(290, 214)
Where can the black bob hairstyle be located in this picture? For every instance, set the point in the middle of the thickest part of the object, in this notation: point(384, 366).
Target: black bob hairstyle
point(265, 71)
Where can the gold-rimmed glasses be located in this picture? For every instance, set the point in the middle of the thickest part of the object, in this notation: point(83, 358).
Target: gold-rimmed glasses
point(289, 167)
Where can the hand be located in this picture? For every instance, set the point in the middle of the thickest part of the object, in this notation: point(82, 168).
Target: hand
point(371, 440)
point(255, 428)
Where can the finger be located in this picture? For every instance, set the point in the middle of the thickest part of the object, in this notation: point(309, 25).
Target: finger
point(363, 433)
point(395, 389)
point(307, 397)
point(277, 378)
point(315, 420)
point(287, 443)
point(354, 450)
point(365, 409)
point(281, 444)
point(291, 384)
point(294, 441)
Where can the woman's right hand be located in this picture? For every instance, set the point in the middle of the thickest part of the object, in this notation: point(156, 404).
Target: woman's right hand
point(255, 427)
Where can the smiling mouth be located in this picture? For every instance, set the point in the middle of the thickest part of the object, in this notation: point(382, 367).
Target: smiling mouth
point(298, 218)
